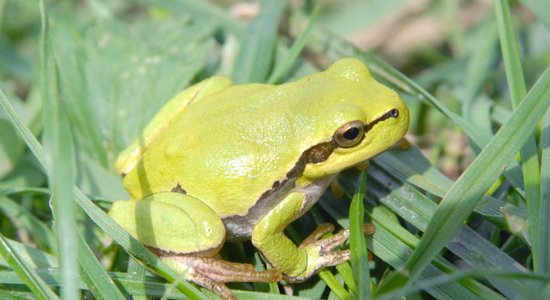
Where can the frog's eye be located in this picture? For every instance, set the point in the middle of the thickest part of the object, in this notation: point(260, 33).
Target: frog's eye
point(349, 134)
point(394, 113)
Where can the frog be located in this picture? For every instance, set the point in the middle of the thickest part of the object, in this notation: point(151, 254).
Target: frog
point(223, 162)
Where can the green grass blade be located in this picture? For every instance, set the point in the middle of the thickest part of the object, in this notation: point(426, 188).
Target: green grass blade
point(135, 268)
point(93, 274)
point(282, 68)
point(59, 158)
point(510, 52)
point(200, 10)
point(389, 246)
point(73, 88)
point(22, 130)
point(544, 213)
point(469, 189)
point(41, 233)
point(417, 209)
point(392, 227)
point(415, 169)
point(333, 284)
point(255, 56)
point(528, 153)
point(541, 9)
point(97, 215)
point(33, 258)
point(479, 68)
point(433, 282)
point(358, 245)
point(345, 271)
point(40, 289)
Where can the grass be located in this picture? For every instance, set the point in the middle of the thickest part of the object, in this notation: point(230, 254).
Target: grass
point(464, 217)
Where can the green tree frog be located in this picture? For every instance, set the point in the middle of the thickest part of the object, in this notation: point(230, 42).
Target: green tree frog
point(222, 162)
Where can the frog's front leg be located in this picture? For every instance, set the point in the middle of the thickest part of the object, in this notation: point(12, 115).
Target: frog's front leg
point(297, 263)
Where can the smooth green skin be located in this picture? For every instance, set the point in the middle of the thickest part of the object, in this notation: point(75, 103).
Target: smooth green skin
point(226, 145)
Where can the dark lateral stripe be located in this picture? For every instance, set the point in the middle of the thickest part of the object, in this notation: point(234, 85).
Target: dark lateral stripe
point(389, 114)
point(316, 154)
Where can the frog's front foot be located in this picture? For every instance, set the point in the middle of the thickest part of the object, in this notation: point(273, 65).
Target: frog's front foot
point(212, 273)
point(320, 251)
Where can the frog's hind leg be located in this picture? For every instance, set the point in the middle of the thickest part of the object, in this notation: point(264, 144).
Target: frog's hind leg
point(187, 235)
point(212, 273)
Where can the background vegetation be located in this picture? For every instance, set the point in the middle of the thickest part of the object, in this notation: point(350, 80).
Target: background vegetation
point(83, 77)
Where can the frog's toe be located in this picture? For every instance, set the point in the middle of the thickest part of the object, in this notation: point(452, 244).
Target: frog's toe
point(319, 261)
point(212, 273)
point(334, 258)
point(334, 241)
point(320, 251)
point(318, 233)
point(326, 244)
point(369, 229)
point(217, 287)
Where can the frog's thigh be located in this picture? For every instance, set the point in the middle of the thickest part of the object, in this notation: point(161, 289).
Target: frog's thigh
point(175, 222)
point(172, 222)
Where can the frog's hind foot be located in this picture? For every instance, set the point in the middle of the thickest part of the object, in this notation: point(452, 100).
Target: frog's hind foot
point(322, 251)
point(212, 273)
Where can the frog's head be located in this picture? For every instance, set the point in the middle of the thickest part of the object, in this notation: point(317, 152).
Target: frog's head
point(362, 118)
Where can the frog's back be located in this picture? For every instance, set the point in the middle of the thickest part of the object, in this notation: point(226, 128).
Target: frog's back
point(226, 150)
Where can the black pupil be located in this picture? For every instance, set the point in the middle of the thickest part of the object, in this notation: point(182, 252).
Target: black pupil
point(394, 113)
point(351, 133)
